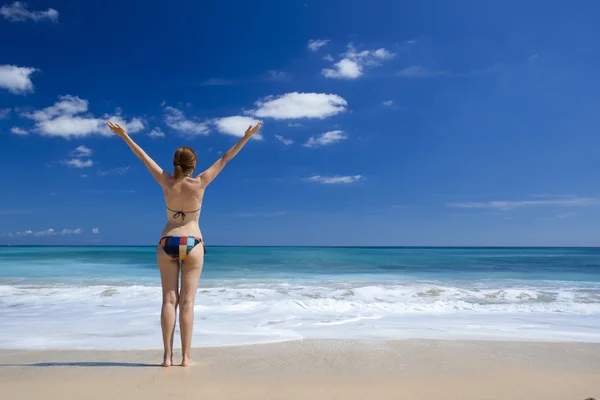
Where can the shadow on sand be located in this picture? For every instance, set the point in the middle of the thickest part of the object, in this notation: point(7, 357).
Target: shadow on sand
point(82, 364)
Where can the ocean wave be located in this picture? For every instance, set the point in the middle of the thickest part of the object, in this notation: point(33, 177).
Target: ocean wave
point(341, 296)
point(58, 316)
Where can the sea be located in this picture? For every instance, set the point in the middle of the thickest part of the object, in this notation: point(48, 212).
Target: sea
point(110, 297)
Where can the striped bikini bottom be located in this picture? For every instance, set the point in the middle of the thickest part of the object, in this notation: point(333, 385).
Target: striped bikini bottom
point(178, 247)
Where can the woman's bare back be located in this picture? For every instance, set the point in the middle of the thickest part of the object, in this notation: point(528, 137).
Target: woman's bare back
point(183, 201)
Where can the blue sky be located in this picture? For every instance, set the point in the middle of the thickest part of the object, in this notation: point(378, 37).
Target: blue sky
point(385, 122)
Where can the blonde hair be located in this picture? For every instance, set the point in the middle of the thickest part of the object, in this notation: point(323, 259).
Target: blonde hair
point(184, 161)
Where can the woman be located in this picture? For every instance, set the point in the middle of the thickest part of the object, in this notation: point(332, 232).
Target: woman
point(181, 245)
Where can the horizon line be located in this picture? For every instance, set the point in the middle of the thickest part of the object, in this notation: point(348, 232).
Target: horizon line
point(324, 246)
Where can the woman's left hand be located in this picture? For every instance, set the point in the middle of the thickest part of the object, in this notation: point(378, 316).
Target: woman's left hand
point(117, 129)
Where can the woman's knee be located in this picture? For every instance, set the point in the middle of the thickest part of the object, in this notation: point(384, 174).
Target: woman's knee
point(186, 301)
point(170, 299)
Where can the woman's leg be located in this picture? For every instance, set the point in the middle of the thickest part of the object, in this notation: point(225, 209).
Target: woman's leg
point(191, 268)
point(169, 276)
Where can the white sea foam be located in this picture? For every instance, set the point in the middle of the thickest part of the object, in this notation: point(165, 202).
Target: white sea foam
point(226, 313)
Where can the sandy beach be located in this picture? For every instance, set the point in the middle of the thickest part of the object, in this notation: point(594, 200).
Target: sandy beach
point(314, 369)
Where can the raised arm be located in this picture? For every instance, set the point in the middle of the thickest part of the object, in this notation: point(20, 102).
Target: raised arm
point(211, 173)
point(156, 171)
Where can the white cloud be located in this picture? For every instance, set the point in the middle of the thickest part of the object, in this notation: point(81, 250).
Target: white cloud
point(81, 151)
point(176, 120)
point(511, 205)
point(133, 126)
point(68, 118)
point(300, 105)
point(388, 103)
point(283, 140)
point(114, 171)
point(77, 163)
point(5, 113)
point(96, 230)
point(67, 105)
point(156, 133)
point(326, 138)
point(417, 71)
point(18, 12)
point(344, 68)
point(316, 44)
point(16, 80)
point(292, 125)
point(353, 63)
point(335, 179)
point(236, 125)
point(69, 126)
point(18, 131)
point(47, 232)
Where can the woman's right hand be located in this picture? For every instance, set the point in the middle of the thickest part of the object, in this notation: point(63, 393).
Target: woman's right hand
point(117, 129)
point(252, 129)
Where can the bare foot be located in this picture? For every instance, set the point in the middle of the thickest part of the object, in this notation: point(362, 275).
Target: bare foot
point(167, 361)
point(187, 362)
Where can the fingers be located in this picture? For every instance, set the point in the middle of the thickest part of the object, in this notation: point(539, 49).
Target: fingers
point(256, 127)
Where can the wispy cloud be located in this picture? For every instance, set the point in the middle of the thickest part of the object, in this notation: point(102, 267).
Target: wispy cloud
point(5, 113)
point(275, 75)
point(511, 205)
point(18, 12)
point(218, 82)
point(316, 44)
point(176, 120)
point(114, 171)
point(565, 215)
point(299, 105)
point(334, 179)
point(81, 151)
point(326, 138)
point(47, 232)
point(283, 140)
point(18, 131)
point(156, 133)
point(388, 103)
point(77, 163)
point(16, 80)
point(96, 230)
point(14, 212)
point(353, 63)
point(417, 71)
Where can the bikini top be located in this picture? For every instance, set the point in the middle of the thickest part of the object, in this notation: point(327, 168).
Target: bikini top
point(181, 214)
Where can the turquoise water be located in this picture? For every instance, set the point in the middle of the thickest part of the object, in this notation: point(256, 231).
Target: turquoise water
point(109, 297)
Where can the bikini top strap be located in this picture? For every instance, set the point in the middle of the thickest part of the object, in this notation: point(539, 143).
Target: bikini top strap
point(177, 214)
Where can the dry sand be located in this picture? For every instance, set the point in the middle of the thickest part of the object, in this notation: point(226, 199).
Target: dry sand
point(314, 369)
